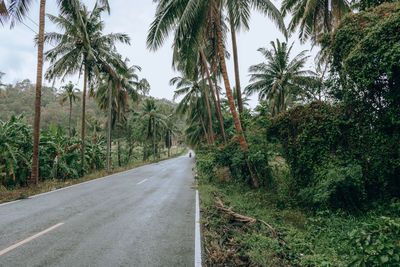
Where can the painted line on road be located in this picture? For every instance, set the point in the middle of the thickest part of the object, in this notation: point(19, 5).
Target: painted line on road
point(143, 181)
point(7, 203)
point(4, 251)
point(197, 246)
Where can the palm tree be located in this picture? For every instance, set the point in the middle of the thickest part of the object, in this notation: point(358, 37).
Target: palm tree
point(16, 12)
point(69, 94)
point(153, 119)
point(171, 130)
point(192, 103)
point(192, 63)
point(112, 95)
point(239, 12)
point(82, 46)
point(277, 79)
point(314, 17)
point(189, 19)
point(143, 87)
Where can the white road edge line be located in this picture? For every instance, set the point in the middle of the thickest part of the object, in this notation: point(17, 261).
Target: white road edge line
point(143, 181)
point(4, 251)
point(197, 246)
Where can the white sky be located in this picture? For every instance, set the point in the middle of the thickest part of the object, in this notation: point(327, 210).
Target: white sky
point(18, 55)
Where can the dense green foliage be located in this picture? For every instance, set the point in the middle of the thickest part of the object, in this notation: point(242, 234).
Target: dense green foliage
point(59, 154)
point(337, 160)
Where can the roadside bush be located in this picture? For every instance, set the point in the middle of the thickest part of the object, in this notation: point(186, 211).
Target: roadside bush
point(205, 164)
point(60, 156)
point(340, 187)
point(377, 244)
point(15, 151)
point(336, 157)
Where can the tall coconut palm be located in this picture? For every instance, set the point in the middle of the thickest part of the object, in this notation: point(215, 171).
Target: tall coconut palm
point(188, 19)
point(314, 17)
point(239, 12)
point(82, 46)
point(279, 77)
point(112, 96)
point(153, 118)
point(171, 130)
point(17, 10)
point(70, 94)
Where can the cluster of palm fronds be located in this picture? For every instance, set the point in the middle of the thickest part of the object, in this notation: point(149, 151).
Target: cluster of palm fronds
point(59, 154)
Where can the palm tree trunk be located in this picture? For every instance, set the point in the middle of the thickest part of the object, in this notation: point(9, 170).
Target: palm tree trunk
point(38, 100)
point(118, 136)
point(208, 109)
point(85, 78)
point(217, 108)
point(70, 116)
point(217, 91)
point(236, 65)
point(154, 139)
point(228, 90)
point(169, 144)
point(203, 125)
point(108, 157)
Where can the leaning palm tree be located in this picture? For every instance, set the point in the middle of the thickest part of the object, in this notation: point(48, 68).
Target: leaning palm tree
point(82, 47)
point(314, 17)
point(70, 94)
point(188, 19)
point(279, 77)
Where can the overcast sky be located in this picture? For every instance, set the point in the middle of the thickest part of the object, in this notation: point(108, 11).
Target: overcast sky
point(18, 56)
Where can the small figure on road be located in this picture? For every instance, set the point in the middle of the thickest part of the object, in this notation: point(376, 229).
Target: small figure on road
point(190, 154)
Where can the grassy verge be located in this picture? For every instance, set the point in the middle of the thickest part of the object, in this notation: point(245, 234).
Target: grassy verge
point(316, 239)
point(50, 185)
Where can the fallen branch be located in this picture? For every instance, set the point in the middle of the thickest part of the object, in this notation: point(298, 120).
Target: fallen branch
point(245, 219)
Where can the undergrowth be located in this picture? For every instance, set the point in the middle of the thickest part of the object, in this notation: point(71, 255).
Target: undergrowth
point(323, 238)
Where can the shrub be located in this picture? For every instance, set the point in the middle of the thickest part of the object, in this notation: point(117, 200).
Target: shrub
point(377, 244)
point(322, 144)
point(340, 187)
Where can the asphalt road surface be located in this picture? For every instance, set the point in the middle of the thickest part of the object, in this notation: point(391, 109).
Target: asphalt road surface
point(142, 217)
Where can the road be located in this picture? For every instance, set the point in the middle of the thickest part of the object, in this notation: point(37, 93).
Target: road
point(142, 217)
